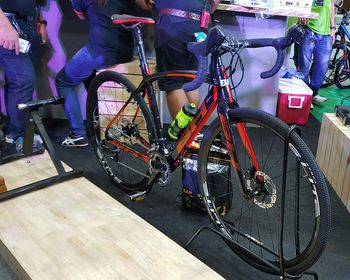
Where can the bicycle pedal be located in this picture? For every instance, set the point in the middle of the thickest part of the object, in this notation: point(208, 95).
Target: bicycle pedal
point(138, 196)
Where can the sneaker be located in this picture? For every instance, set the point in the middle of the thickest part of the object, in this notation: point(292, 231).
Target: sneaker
point(318, 99)
point(73, 140)
point(18, 143)
point(11, 139)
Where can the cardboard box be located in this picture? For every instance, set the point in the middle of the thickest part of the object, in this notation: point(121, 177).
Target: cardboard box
point(294, 5)
point(254, 3)
point(290, 5)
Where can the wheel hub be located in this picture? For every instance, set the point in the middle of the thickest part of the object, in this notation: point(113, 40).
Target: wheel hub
point(263, 190)
point(126, 132)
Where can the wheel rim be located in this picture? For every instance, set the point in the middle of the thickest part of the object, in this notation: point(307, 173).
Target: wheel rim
point(344, 74)
point(113, 135)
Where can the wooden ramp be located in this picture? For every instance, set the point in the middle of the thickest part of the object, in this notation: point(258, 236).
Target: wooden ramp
point(74, 230)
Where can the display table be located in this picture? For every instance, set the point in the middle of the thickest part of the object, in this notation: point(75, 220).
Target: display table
point(73, 230)
point(333, 155)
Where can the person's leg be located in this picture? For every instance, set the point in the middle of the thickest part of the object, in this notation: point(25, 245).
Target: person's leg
point(322, 52)
point(175, 100)
point(193, 97)
point(296, 55)
point(78, 69)
point(19, 88)
point(172, 54)
point(305, 55)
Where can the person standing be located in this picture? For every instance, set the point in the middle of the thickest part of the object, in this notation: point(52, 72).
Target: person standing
point(108, 44)
point(315, 50)
point(16, 21)
point(176, 25)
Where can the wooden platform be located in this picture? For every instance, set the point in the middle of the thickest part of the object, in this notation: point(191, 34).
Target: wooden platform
point(333, 155)
point(74, 230)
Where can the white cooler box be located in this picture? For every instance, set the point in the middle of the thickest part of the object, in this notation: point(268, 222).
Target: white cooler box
point(294, 101)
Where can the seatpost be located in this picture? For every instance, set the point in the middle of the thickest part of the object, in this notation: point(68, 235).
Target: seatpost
point(141, 51)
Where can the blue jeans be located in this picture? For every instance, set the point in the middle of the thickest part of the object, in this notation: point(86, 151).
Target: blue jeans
point(313, 58)
point(77, 70)
point(19, 87)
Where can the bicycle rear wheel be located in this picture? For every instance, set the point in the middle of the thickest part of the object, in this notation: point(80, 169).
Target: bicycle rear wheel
point(120, 129)
point(336, 57)
point(342, 74)
point(253, 224)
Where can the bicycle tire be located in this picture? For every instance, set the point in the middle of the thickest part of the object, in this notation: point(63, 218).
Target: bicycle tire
point(316, 193)
point(342, 74)
point(329, 78)
point(107, 94)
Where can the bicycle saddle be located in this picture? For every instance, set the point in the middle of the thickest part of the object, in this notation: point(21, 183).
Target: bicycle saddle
point(125, 19)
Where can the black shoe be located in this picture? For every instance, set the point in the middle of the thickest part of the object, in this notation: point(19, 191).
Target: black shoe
point(170, 145)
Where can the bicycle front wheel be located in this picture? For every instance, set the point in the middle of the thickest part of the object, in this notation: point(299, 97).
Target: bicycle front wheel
point(252, 223)
point(120, 128)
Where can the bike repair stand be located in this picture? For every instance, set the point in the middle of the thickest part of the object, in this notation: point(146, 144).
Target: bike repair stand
point(35, 122)
point(279, 270)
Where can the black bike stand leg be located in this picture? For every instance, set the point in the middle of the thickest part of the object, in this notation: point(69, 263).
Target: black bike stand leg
point(28, 136)
point(35, 121)
point(47, 142)
point(188, 243)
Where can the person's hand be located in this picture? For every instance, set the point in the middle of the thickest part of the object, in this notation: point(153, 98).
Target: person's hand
point(303, 20)
point(145, 4)
point(333, 36)
point(43, 34)
point(9, 37)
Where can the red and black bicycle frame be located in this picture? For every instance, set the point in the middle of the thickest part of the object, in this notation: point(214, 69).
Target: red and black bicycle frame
point(220, 96)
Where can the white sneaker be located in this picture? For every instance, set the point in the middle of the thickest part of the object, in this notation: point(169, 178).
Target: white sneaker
point(318, 100)
point(36, 139)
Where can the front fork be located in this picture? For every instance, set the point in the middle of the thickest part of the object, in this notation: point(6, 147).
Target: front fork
point(223, 113)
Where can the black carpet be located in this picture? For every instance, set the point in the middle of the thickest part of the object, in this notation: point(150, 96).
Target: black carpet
point(161, 209)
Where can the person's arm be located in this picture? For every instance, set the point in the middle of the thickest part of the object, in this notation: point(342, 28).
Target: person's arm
point(42, 29)
point(213, 5)
point(8, 35)
point(79, 9)
point(145, 4)
point(332, 22)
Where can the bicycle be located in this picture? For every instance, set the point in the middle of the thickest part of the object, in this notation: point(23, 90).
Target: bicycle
point(339, 68)
point(129, 141)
